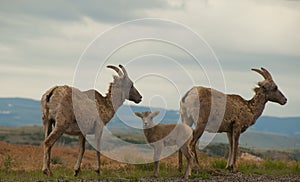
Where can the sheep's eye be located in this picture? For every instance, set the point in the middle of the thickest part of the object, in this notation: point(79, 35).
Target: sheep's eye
point(276, 88)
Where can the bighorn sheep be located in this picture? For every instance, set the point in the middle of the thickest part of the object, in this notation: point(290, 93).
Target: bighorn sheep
point(161, 135)
point(196, 108)
point(79, 113)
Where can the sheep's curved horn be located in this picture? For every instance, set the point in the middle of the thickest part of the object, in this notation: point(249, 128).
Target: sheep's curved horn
point(267, 73)
point(123, 69)
point(263, 72)
point(116, 69)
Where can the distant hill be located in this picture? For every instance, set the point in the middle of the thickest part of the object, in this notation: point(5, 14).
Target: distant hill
point(22, 112)
point(19, 112)
point(285, 126)
point(261, 140)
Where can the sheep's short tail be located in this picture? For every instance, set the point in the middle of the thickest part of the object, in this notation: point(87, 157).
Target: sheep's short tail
point(49, 94)
point(44, 103)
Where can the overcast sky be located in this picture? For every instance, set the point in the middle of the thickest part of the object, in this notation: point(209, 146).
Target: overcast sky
point(41, 43)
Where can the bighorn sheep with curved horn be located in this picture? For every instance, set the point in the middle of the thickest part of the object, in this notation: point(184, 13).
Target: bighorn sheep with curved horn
point(79, 113)
point(195, 108)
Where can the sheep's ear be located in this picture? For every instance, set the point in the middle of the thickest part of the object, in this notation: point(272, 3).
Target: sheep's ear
point(155, 113)
point(116, 77)
point(138, 114)
point(262, 85)
point(264, 88)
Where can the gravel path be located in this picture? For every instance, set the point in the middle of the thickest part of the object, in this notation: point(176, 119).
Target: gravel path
point(217, 178)
point(235, 177)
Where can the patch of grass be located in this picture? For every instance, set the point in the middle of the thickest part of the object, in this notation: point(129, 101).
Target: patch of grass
point(144, 171)
point(218, 164)
point(274, 165)
point(279, 167)
point(270, 167)
point(249, 168)
point(147, 166)
point(295, 168)
point(58, 173)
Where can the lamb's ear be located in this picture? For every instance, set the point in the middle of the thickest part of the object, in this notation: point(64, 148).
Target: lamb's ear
point(155, 113)
point(138, 114)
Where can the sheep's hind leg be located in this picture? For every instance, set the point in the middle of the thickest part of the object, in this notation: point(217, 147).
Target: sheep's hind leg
point(47, 130)
point(80, 155)
point(197, 133)
point(48, 143)
point(189, 157)
point(157, 152)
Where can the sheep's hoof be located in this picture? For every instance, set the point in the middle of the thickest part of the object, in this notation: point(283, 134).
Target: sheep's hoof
point(76, 172)
point(196, 170)
point(154, 176)
point(235, 170)
point(229, 168)
point(185, 177)
point(179, 169)
point(97, 171)
point(47, 172)
point(232, 169)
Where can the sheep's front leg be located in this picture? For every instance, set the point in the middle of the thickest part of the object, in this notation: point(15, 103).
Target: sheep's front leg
point(80, 155)
point(229, 165)
point(97, 170)
point(233, 138)
point(179, 161)
point(235, 150)
point(98, 135)
point(157, 152)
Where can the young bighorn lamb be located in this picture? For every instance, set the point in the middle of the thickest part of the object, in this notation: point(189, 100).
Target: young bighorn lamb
point(195, 108)
point(161, 135)
point(79, 113)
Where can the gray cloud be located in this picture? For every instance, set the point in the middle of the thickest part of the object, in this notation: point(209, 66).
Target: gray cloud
point(101, 10)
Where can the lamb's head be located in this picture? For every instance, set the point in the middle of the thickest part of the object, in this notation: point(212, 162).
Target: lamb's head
point(147, 117)
point(124, 86)
point(269, 87)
